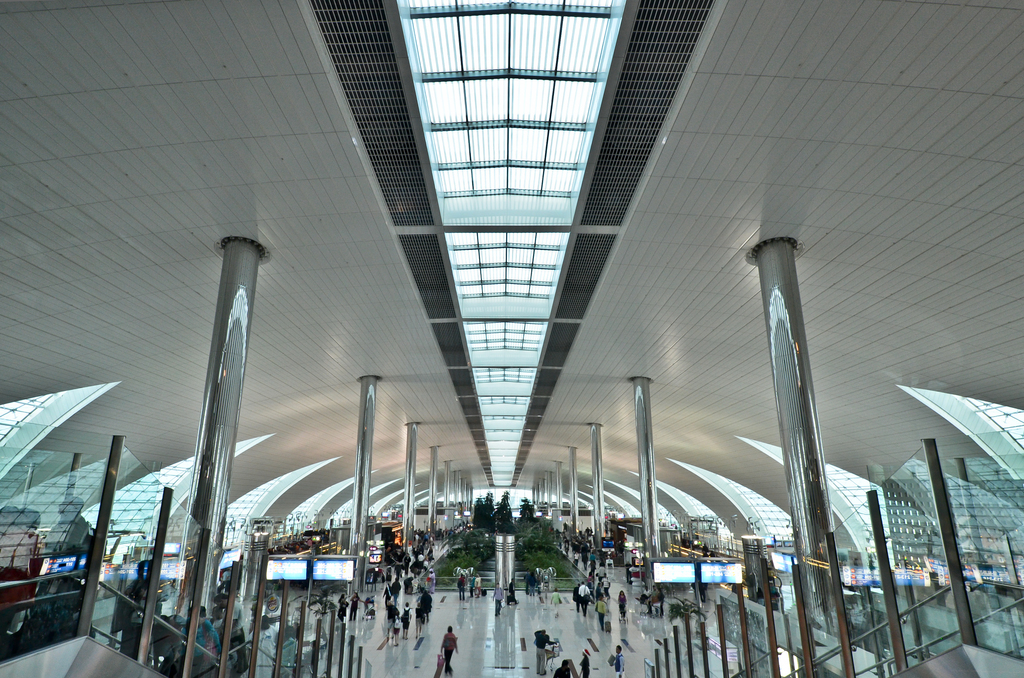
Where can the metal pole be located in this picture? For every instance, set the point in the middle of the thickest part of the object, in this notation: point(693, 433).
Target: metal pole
point(300, 636)
point(76, 465)
point(947, 529)
point(799, 430)
point(229, 618)
point(330, 648)
point(668, 665)
point(432, 494)
point(359, 665)
point(316, 647)
point(846, 650)
point(597, 470)
point(657, 663)
point(704, 648)
point(647, 459)
point(574, 493)
point(892, 610)
point(447, 501)
point(721, 640)
point(351, 654)
point(744, 637)
point(257, 627)
point(198, 573)
point(773, 644)
point(156, 563)
point(409, 496)
point(675, 645)
point(94, 561)
point(364, 462)
point(558, 489)
point(341, 649)
point(279, 654)
point(801, 615)
point(222, 395)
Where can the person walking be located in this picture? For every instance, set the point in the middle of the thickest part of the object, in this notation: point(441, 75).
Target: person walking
point(449, 644)
point(462, 587)
point(563, 670)
point(602, 608)
point(541, 640)
point(584, 599)
point(622, 605)
point(406, 619)
point(620, 662)
point(421, 617)
point(585, 664)
point(556, 600)
point(396, 626)
point(499, 595)
point(432, 581)
point(472, 585)
point(353, 607)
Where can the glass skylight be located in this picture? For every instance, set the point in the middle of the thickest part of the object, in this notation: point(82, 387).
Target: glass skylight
point(506, 275)
point(513, 375)
point(505, 344)
point(20, 411)
point(509, 95)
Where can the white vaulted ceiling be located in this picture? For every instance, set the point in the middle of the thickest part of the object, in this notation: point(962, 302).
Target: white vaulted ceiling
point(886, 137)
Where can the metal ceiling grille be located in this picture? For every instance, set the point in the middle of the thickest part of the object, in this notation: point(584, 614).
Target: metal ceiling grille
point(449, 339)
point(585, 267)
point(359, 42)
point(560, 343)
point(663, 37)
point(423, 252)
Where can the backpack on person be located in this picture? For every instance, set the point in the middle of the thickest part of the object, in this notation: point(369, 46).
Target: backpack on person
point(448, 644)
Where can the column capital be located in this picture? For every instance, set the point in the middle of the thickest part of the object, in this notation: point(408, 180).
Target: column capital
point(263, 251)
point(754, 251)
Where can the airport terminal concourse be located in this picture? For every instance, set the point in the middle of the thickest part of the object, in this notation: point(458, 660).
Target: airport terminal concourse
point(395, 338)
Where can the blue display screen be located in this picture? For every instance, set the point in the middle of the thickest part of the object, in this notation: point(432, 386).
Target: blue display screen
point(292, 570)
point(608, 544)
point(55, 564)
point(674, 573)
point(230, 557)
point(783, 562)
point(334, 569)
point(721, 573)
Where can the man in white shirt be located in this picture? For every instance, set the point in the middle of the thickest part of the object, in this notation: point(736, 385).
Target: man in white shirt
point(584, 594)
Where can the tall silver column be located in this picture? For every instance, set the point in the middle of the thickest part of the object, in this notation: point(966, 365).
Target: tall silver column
point(447, 502)
point(361, 482)
point(458, 489)
point(798, 422)
point(409, 496)
point(432, 494)
point(222, 395)
point(645, 452)
point(558, 490)
point(550, 482)
point(574, 493)
point(597, 464)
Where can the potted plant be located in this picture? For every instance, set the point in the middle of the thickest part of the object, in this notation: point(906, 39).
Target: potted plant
point(683, 609)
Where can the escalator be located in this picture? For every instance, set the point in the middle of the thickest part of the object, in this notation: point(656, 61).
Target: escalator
point(75, 658)
point(966, 662)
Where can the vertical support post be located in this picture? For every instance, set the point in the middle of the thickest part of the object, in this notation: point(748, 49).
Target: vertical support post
point(801, 614)
point(432, 493)
point(947, 529)
point(300, 636)
point(845, 648)
point(279, 653)
point(721, 639)
point(222, 395)
point(229, 618)
point(574, 493)
point(675, 646)
point(76, 465)
point(446, 503)
point(359, 665)
point(316, 646)
point(364, 462)
point(648, 479)
point(94, 561)
point(704, 648)
point(668, 658)
point(156, 562)
point(597, 467)
point(744, 636)
point(892, 611)
point(341, 649)
point(409, 496)
point(330, 648)
point(558, 490)
point(773, 641)
point(257, 626)
point(198, 574)
point(657, 663)
point(799, 430)
point(351, 655)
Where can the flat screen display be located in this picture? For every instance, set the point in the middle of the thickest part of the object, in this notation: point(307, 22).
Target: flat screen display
point(783, 562)
point(55, 564)
point(172, 570)
point(608, 544)
point(721, 573)
point(229, 557)
point(172, 548)
point(859, 576)
point(292, 570)
point(375, 558)
point(334, 570)
point(910, 577)
point(674, 573)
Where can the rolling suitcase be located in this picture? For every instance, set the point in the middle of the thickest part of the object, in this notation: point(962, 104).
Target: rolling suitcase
point(607, 626)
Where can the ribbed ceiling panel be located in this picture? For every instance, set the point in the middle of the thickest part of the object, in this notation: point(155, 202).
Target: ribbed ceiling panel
point(664, 35)
point(423, 252)
point(359, 42)
point(586, 264)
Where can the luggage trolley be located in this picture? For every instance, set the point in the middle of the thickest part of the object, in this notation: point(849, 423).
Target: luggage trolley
point(553, 652)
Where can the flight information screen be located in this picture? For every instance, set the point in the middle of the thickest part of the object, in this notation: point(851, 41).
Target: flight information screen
point(674, 573)
point(292, 570)
point(334, 570)
point(721, 573)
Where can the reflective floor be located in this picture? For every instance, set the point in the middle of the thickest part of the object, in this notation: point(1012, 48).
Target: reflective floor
point(491, 646)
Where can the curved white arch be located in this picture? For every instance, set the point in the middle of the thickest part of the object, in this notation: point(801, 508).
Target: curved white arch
point(256, 502)
point(772, 517)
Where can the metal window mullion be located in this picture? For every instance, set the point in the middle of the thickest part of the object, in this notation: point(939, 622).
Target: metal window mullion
point(551, 106)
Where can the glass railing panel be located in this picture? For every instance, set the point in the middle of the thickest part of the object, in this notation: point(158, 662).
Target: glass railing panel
point(917, 558)
point(984, 493)
point(46, 483)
